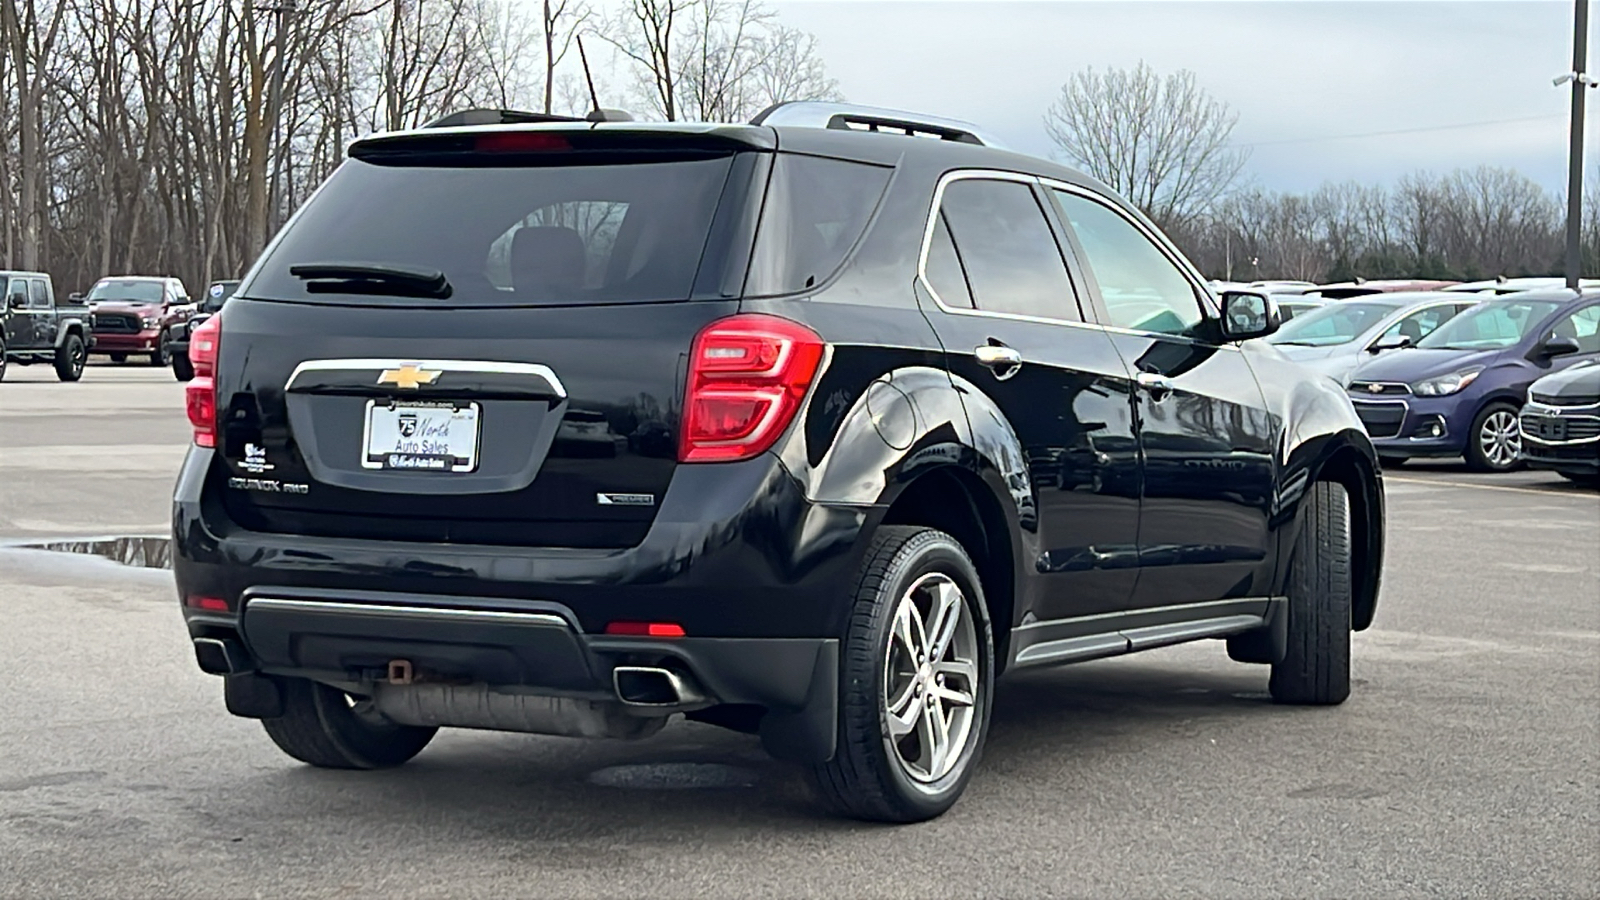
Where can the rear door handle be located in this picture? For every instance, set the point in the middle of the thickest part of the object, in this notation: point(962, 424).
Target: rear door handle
point(1003, 361)
point(1157, 385)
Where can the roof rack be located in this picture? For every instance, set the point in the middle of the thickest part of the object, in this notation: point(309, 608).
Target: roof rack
point(517, 117)
point(850, 117)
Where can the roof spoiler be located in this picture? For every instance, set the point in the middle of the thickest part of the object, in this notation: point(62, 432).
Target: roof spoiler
point(517, 117)
point(850, 117)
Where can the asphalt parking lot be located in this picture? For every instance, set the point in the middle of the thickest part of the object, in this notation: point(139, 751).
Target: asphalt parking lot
point(1466, 763)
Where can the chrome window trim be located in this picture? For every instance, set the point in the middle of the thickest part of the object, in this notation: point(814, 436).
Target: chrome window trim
point(927, 243)
point(443, 365)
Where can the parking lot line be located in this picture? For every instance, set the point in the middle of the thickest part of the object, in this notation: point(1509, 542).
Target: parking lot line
point(1540, 492)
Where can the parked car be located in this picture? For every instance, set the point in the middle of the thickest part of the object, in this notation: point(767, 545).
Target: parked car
point(1517, 285)
point(217, 294)
point(1344, 290)
point(35, 328)
point(1292, 306)
point(135, 315)
point(1337, 337)
point(1458, 392)
point(1561, 424)
point(807, 367)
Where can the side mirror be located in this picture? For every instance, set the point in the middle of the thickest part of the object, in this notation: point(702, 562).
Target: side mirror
point(1248, 314)
point(75, 297)
point(1395, 343)
point(1558, 345)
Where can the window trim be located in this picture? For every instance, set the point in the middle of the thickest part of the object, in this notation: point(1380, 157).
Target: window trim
point(1208, 312)
point(935, 207)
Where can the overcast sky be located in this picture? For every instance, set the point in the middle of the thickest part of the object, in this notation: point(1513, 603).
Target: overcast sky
point(1308, 79)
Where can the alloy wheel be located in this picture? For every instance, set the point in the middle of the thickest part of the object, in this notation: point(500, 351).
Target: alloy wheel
point(930, 678)
point(1500, 438)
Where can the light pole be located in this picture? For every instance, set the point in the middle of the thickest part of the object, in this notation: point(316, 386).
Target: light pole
point(283, 11)
point(1581, 82)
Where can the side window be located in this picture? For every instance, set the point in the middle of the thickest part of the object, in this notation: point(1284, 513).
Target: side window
point(944, 270)
point(1419, 324)
point(815, 211)
point(1141, 287)
point(1582, 326)
point(1007, 249)
point(38, 294)
point(17, 288)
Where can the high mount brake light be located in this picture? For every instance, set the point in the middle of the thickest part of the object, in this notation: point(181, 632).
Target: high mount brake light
point(200, 395)
point(520, 142)
point(747, 377)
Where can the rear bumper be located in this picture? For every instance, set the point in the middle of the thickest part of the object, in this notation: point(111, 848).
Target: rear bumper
point(353, 639)
point(759, 578)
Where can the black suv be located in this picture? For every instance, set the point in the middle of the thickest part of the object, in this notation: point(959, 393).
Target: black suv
point(807, 428)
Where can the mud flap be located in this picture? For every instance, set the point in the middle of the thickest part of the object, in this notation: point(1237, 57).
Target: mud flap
point(809, 734)
point(1268, 644)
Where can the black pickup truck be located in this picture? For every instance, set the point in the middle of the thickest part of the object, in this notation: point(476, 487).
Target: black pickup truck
point(216, 295)
point(33, 328)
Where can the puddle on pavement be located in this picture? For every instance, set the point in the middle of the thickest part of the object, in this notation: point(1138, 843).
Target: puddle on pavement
point(674, 776)
point(141, 552)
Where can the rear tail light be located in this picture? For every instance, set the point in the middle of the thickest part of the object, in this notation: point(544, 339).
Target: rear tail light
point(747, 376)
point(646, 629)
point(200, 396)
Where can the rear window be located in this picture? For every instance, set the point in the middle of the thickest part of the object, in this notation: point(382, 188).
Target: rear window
point(815, 211)
point(549, 235)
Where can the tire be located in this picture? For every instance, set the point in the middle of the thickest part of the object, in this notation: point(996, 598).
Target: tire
point(182, 368)
point(118, 358)
point(161, 357)
point(2, 360)
point(875, 776)
point(325, 727)
point(70, 357)
point(1490, 446)
point(1316, 669)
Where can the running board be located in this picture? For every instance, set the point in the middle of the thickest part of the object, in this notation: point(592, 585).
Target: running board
point(1132, 640)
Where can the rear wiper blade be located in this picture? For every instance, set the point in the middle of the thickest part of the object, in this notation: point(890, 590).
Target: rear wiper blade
point(372, 278)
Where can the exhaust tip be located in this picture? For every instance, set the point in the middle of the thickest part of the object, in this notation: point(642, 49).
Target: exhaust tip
point(653, 686)
point(220, 656)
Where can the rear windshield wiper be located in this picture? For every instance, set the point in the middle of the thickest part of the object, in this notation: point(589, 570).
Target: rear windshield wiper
point(372, 278)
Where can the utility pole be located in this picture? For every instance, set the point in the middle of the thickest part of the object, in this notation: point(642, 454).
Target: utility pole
point(283, 11)
point(1581, 82)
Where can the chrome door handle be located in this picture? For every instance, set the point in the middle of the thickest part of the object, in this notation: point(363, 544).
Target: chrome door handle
point(1002, 360)
point(1157, 385)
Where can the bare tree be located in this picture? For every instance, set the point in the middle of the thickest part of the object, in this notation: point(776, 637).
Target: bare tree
point(1161, 142)
point(716, 60)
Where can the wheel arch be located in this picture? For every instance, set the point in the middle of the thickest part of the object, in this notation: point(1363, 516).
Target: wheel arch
point(958, 501)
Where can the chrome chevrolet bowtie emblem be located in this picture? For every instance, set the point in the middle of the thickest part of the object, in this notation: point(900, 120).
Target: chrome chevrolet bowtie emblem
point(408, 377)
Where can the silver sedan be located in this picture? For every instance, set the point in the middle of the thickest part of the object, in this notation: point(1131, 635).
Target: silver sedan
point(1335, 338)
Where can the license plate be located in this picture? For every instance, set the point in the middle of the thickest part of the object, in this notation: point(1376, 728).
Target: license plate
point(421, 436)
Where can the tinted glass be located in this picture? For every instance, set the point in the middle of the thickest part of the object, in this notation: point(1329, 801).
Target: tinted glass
point(117, 290)
point(1141, 287)
point(815, 211)
point(1011, 259)
point(1418, 325)
point(38, 294)
point(1336, 323)
point(510, 235)
point(944, 268)
point(1582, 326)
point(17, 286)
point(1498, 323)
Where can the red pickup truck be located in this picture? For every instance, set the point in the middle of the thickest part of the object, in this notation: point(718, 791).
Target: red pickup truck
point(136, 314)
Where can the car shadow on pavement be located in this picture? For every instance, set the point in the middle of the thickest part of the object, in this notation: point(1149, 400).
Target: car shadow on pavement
point(694, 782)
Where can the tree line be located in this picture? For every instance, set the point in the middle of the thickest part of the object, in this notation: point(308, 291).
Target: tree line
point(174, 137)
point(1166, 145)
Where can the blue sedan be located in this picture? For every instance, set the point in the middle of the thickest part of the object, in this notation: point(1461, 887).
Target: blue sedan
point(1458, 391)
